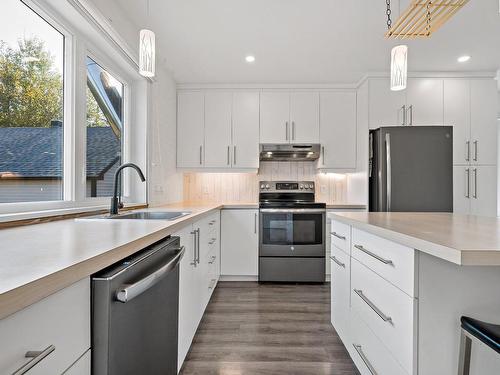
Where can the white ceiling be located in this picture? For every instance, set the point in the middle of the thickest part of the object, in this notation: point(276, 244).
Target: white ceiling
point(305, 41)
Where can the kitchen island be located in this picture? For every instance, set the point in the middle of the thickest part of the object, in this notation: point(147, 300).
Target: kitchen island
point(401, 281)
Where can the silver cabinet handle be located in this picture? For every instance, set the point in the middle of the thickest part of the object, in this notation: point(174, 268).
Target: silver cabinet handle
point(293, 210)
point(388, 171)
point(475, 150)
point(364, 359)
point(234, 155)
point(212, 222)
point(467, 183)
point(212, 241)
point(475, 183)
point(193, 263)
point(366, 251)
point(467, 150)
point(213, 257)
point(384, 317)
point(198, 244)
point(255, 223)
point(228, 156)
point(293, 130)
point(36, 357)
point(212, 283)
point(323, 154)
point(130, 291)
point(201, 151)
point(332, 257)
point(403, 110)
point(338, 235)
point(286, 130)
point(410, 109)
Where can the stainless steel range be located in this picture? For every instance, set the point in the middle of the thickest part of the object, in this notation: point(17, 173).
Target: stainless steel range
point(292, 232)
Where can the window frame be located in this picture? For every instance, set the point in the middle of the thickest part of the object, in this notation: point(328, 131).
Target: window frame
point(77, 47)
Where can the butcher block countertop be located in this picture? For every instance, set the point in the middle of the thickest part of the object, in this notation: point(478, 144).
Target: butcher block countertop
point(461, 239)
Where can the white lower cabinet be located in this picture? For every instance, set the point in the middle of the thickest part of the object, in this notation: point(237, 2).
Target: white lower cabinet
point(60, 321)
point(340, 271)
point(475, 190)
point(240, 242)
point(80, 367)
point(198, 277)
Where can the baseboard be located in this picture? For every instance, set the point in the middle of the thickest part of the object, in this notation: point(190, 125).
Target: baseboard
point(238, 278)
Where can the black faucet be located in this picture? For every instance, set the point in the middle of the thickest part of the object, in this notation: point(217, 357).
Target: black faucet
point(115, 201)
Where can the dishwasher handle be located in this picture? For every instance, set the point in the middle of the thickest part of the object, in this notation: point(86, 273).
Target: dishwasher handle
point(129, 291)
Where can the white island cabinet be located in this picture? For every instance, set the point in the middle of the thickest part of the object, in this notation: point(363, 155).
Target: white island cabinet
point(401, 282)
point(58, 327)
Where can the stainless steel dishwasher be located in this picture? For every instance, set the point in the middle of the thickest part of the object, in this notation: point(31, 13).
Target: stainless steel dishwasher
point(135, 313)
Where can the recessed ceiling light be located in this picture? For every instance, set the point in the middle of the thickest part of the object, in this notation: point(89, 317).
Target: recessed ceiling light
point(250, 59)
point(463, 59)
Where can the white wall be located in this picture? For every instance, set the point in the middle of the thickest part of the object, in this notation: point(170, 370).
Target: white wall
point(164, 182)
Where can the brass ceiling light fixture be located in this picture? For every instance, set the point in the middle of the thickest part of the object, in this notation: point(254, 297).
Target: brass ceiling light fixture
point(422, 18)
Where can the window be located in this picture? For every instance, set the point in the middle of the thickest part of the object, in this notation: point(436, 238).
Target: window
point(31, 106)
point(104, 129)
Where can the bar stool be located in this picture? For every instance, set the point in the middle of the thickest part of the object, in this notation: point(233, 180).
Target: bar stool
point(487, 333)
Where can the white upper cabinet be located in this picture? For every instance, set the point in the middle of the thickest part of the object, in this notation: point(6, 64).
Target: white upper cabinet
point(424, 101)
point(190, 129)
point(457, 114)
point(245, 149)
point(218, 129)
point(304, 117)
point(386, 107)
point(484, 102)
point(338, 130)
point(274, 117)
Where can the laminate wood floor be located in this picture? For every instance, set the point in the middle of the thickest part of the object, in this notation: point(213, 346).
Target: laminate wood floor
point(269, 329)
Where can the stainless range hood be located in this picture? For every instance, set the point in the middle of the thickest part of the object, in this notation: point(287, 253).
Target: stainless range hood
point(287, 152)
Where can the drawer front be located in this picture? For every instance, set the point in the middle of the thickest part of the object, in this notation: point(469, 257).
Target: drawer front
point(61, 320)
point(80, 367)
point(369, 353)
point(386, 310)
point(341, 235)
point(340, 292)
point(392, 261)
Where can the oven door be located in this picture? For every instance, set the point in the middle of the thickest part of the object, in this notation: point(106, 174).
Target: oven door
point(292, 232)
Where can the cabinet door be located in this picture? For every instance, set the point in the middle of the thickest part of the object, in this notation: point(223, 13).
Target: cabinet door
point(188, 294)
point(304, 117)
point(484, 190)
point(457, 114)
point(340, 292)
point(461, 189)
point(424, 101)
point(386, 107)
point(274, 117)
point(190, 129)
point(484, 106)
point(218, 106)
point(338, 130)
point(245, 130)
point(239, 242)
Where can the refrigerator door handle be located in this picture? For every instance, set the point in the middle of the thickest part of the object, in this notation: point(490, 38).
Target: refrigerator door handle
point(388, 172)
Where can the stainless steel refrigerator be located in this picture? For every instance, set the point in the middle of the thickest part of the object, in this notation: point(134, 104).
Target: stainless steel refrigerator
point(411, 169)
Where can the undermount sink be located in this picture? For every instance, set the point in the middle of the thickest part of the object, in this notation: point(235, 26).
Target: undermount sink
point(142, 215)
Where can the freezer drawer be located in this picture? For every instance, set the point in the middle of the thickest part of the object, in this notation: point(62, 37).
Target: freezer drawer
point(292, 269)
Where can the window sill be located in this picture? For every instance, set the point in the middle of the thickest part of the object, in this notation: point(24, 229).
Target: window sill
point(42, 216)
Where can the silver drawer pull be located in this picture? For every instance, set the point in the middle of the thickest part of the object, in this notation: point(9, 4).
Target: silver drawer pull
point(338, 235)
point(384, 317)
point(213, 259)
point(36, 357)
point(337, 261)
point(212, 284)
point(378, 257)
point(365, 360)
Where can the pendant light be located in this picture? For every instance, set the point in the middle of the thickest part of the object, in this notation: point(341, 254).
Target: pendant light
point(399, 58)
point(147, 51)
point(399, 67)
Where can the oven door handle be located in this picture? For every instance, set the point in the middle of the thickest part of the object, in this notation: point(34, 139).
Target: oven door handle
point(130, 291)
point(293, 210)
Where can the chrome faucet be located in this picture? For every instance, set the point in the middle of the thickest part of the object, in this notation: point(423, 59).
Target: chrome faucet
point(115, 201)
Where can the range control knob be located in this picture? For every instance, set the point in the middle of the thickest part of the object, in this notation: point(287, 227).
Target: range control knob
point(301, 187)
point(262, 186)
point(267, 186)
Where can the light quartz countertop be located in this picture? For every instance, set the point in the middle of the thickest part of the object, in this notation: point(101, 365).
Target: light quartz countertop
point(461, 239)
